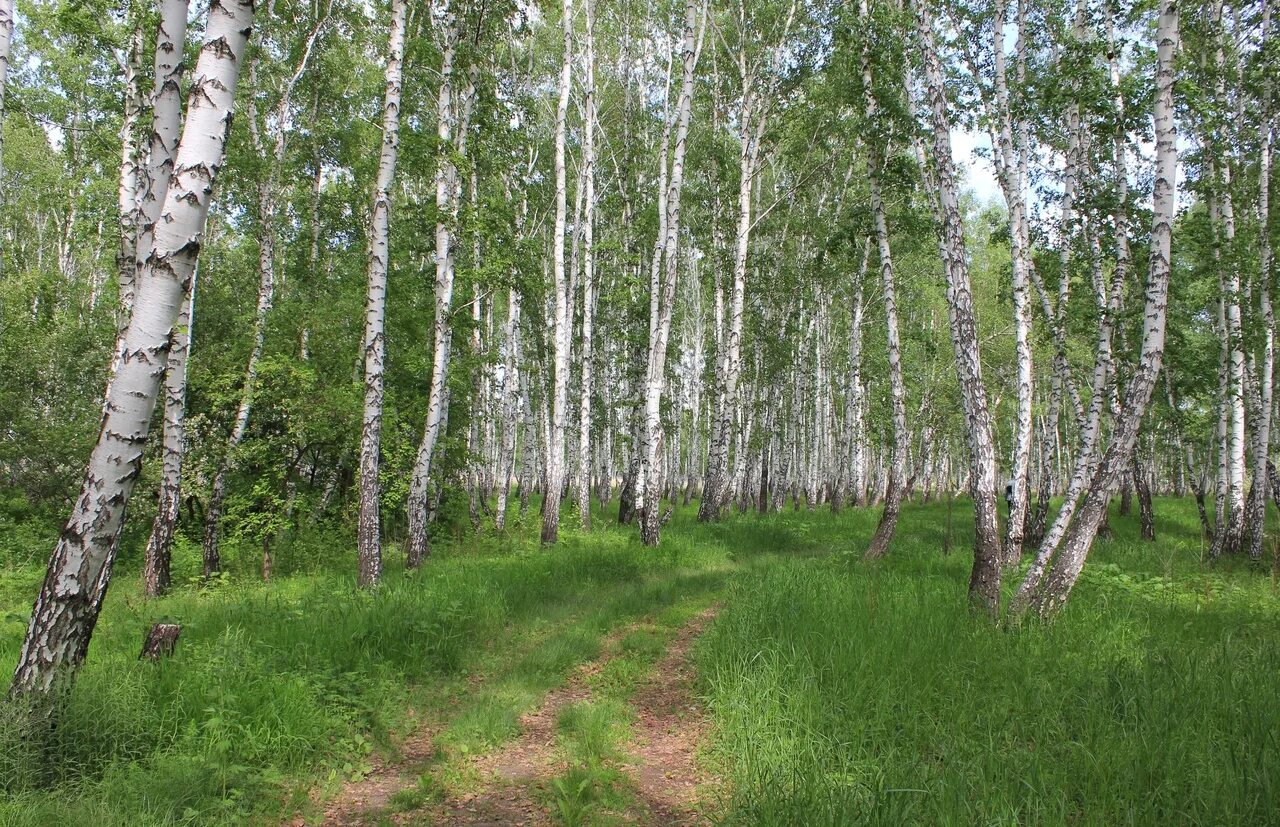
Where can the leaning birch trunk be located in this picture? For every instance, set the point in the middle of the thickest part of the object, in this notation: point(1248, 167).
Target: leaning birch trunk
point(166, 122)
point(898, 390)
point(368, 532)
point(1011, 179)
point(1079, 538)
point(79, 571)
point(153, 183)
point(418, 543)
point(155, 567)
point(588, 269)
point(660, 326)
point(1234, 336)
point(560, 376)
point(984, 581)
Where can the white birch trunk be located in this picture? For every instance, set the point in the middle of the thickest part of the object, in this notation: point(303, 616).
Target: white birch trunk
point(273, 158)
point(6, 47)
point(898, 390)
point(155, 570)
point(1079, 537)
point(660, 313)
point(79, 571)
point(561, 317)
point(153, 183)
point(588, 269)
point(453, 112)
point(1257, 515)
point(127, 194)
point(368, 532)
point(984, 581)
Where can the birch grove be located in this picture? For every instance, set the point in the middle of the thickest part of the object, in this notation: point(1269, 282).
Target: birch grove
point(650, 264)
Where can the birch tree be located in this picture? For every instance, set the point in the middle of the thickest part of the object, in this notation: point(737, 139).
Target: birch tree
point(368, 529)
point(1051, 592)
point(561, 321)
point(893, 350)
point(79, 570)
point(588, 268)
point(166, 122)
point(984, 581)
point(661, 309)
point(276, 130)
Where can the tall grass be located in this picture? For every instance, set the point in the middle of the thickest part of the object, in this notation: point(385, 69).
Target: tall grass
point(852, 694)
point(841, 693)
point(274, 685)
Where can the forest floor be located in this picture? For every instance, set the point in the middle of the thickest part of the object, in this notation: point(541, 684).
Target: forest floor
point(753, 671)
point(618, 739)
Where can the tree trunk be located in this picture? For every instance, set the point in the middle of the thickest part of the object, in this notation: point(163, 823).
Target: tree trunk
point(155, 570)
point(1146, 514)
point(127, 196)
point(660, 314)
point(588, 270)
point(1079, 537)
point(153, 183)
point(273, 158)
point(79, 571)
point(562, 320)
point(453, 115)
point(160, 641)
point(1257, 513)
point(6, 47)
point(898, 389)
point(369, 529)
point(984, 581)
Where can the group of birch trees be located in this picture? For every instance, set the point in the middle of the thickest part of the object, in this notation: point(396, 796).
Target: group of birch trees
point(622, 255)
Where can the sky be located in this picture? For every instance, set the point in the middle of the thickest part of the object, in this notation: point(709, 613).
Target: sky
point(980, 178)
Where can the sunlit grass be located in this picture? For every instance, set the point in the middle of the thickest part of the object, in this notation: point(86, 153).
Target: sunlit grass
point(845, 693)
point(840, 693)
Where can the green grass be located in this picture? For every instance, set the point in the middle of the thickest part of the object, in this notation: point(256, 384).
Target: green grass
point(845, 693)
point(840, 693)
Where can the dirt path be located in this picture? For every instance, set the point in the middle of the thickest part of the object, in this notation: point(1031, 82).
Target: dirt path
point(659, 763)
point(359, 802)
point(670, 726)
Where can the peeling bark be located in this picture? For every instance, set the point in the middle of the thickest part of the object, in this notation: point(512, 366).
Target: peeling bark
point(368, 530)
point(79, 571)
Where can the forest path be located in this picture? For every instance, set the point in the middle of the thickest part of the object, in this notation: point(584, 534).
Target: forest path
point(648, 773)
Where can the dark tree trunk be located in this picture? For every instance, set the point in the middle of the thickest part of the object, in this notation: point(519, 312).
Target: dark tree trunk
point(160, 641)
point(1145, 513)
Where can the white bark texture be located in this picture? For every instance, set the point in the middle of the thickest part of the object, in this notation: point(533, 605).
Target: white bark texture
point(560, 319)
point(1079, 537)
point(661, 311)
point(273, 157)
point(153, 183)
point(70, 598)
point(984, 581)
point(368, 532)
point(588, 269)
point(6, 47)
point(127, 195)
point(897, 386)
point(155, 567)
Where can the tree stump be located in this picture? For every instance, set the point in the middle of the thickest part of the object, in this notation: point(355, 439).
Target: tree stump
point(160, 641)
